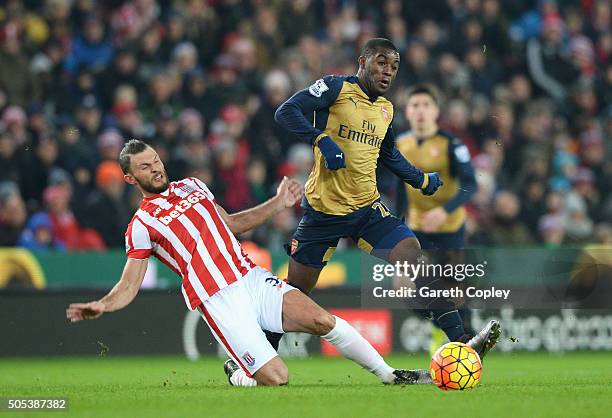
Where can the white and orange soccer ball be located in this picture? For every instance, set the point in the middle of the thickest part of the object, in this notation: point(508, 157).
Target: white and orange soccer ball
point(455, 366)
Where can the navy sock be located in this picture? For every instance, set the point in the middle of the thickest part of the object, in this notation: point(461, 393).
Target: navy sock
point(466, 317)
point(450, 322)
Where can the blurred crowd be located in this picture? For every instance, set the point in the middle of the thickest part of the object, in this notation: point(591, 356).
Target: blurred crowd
point(526, 85)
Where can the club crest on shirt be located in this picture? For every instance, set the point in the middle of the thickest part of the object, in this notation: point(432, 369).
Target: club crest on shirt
point(248, 359)
point(385, 114)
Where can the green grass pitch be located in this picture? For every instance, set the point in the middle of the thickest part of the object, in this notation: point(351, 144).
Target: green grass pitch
point(517, 385)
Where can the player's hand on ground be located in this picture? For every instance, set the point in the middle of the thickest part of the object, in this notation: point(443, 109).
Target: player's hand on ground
point(290, 192)
point(332, 154)
point(431, 183)
point(81, 311)
point(432, 219)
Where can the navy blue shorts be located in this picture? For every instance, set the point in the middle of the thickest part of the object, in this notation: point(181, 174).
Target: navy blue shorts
point(442, 241)
point(373, 228)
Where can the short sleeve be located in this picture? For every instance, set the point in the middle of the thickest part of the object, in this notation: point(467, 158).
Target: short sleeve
point(138, 241)
point(202, 186)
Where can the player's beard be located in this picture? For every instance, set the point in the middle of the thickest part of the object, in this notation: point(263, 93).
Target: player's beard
point(150, 187)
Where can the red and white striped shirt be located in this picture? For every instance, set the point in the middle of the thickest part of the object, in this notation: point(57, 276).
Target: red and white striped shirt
point(184, 230)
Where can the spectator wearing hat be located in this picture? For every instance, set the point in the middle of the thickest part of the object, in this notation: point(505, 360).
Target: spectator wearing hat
point(106, 209)
point(109, 144)
point(552, 230)
point(38, 234)
point(16, 123)
point(89, 120)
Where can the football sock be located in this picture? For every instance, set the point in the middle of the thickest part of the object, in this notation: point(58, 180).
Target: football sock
point(354, 347)
point(240, 378)
point(273, 338)
point(450, 322)
point(466, 318)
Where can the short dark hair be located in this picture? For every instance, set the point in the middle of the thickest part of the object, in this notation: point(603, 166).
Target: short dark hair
point(424, 88)
point(375, 44)
point(133, 146)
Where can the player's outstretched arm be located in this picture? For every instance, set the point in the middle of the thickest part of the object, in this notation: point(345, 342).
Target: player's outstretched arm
point(401, 167)
point(288, 193)
point(119, 297)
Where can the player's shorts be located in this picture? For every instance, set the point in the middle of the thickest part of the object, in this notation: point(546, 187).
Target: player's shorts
point(373, 228)
point(237, 313)
point(442, 241)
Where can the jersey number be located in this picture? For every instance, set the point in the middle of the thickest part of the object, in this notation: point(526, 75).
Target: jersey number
point(384, 212)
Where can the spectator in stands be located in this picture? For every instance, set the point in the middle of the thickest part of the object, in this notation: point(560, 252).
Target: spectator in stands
point(91, 48)
point(15, 75)
point(16, 123)
point(36, 169)
point(9, 159)
point(38, 234)
point(66, 230)
point(552, 231)
point(106, 210)
point(506, 228)
point(12, 214)
point(89, 120)
point(109, 145)
point(123, 70)
point(549, 65)
point(272, 141)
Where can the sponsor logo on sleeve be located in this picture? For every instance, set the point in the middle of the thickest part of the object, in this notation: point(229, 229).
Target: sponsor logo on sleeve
point(462, 154)
point(318, 88)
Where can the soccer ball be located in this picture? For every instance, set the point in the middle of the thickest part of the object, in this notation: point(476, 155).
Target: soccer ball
point(455, 366)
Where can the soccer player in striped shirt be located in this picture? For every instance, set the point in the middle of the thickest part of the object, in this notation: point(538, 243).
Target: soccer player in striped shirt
point(180, 223)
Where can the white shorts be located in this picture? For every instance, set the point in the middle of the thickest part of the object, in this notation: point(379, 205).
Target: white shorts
point(237, 314)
